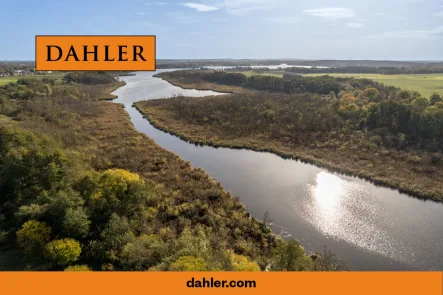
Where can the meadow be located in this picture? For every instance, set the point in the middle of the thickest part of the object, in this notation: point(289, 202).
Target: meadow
point(426, 84)
point(6, 80)
point(272, 73)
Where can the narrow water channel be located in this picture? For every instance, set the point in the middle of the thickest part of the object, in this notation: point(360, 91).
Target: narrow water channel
point(369, 227)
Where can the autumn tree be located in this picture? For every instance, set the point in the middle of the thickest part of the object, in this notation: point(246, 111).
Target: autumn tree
point(242, 263)
point(63, 252)
point(78, 268)
point(435, 97)
point(188, 263)
point(33, 236)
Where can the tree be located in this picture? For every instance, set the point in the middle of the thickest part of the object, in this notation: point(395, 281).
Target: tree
point(290, 256)
point(403, 94)
point(81, 268)
point(76, 223)
point(189, 263)
point(370, 92)
point(29, 165)
point(143, 253)
point(33, 236)
point(63, 252)
point(420, 104)
point(435, 97)
point(242, 263)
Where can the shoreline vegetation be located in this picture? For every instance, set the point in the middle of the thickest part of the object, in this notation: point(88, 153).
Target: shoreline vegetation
point(201, 85)
point(411, 170)
point(81, 189)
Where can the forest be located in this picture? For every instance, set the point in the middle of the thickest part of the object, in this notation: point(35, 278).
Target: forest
point(388, 135)
point(74, 196)
point(289, 83)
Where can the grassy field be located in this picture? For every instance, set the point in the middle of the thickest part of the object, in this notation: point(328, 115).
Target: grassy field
point(425, 84)
point(6, 80)
point(252, 73)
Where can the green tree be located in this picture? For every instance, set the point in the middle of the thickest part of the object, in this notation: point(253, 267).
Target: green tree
point(143, 253)
point(370, 92)
point(63, 252)
point(290, 256)
point(420, 104)
point(29, 165)
point(76, 223)
point(435, 97)
point(33, 236)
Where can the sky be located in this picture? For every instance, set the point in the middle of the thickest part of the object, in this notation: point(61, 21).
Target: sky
point(309, 29)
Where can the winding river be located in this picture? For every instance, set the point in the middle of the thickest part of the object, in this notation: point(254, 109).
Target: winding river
point(369, 227)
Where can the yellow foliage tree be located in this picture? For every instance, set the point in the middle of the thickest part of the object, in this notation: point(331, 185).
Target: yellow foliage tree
point(81, 268)
point(242, 263)
point(347, 98)
point(33, 236)
point(189, 263)
point(63, 252)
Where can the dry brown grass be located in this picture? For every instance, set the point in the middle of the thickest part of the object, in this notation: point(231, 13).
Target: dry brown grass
point(202, 85)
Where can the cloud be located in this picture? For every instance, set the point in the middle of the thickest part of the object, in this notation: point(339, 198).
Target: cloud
point(432, 33)
point(240, 7)
point(141, 13)
point(355, 25)
point(285, 20)
point(330, 12)
point(200, 7)
point(439, 13)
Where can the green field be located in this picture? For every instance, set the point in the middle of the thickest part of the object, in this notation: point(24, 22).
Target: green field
point(252, 73)
point(6, 80)
point(425, 84)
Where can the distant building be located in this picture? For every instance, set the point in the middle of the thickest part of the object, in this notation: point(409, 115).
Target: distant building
point(19, 72)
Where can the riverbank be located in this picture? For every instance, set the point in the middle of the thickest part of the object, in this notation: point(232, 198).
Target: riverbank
point(201, 85)
point(395, 169)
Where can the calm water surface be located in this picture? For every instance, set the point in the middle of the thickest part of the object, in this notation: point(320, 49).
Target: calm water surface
point(271, 67)
point(369, 227)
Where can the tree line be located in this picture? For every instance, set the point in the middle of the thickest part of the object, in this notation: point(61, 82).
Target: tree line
point(289, 83)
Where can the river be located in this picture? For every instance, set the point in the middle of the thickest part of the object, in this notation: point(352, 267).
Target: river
point(367, 226)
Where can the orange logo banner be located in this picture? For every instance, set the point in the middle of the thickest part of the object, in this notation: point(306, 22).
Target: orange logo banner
point(119, 283)
point(95, 53)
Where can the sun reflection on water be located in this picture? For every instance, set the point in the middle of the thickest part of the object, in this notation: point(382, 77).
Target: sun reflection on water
point(328, 192)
